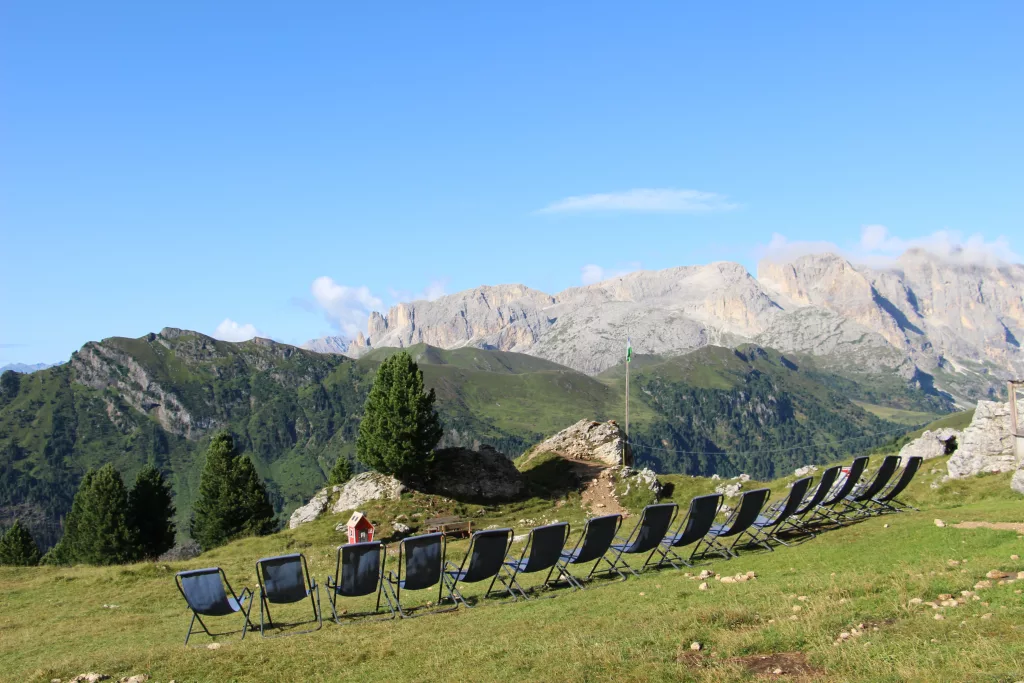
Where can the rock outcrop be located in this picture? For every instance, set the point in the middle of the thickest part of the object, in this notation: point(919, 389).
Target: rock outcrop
point(365, 487)
point(602, 442)
point(987, 444)
point(932, 444)
point(484, 475)
point(314, 508)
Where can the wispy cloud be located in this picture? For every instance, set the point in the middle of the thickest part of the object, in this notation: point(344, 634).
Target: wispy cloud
point(346, 307)
point(592, 273)
point(644, 201)
point(878, 247)
point(433, 291)
point(231, 331)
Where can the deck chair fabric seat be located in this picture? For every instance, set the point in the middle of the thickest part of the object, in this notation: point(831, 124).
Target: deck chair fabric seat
point(856, 502)
point(593, 545)
point(285, 580)
point(886, 500)
point(359, 572)
point(647, 535)
point(766, 527)
point(543, 549)
point(824, 511)
point(700, 517)
point(483, 560)
point(749, 508)
point(421, 563)
point(208, 593)
point(811, 501)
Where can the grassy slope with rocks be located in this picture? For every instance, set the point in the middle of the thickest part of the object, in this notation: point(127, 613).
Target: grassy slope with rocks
point(58, 622)
point(159, 398)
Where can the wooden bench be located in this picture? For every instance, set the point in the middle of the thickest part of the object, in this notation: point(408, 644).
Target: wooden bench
point(450, 526)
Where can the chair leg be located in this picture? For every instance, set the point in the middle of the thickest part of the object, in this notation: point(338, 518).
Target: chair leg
point(191, 623)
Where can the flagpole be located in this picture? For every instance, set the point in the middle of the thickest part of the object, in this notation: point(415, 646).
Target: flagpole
point(625, 449)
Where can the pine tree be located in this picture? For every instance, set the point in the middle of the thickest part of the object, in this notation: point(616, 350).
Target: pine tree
point(341, 472)
point(232, 500)
point(151, 510)
point(17, 547)
point(98, 529)
point(400, 427)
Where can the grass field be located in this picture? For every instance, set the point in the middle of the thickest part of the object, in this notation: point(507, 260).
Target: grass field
point(59, 622)
point(897, 415)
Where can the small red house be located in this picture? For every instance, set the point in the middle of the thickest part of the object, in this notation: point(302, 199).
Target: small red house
point(359, 528)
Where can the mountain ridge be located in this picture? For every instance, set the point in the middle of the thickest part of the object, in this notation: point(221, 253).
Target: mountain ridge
point(953, 326)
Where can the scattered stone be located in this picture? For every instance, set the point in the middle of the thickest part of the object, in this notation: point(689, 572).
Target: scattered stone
point(213, 646)
point(945, 596)
point(137, 678)
point(982, 584)
point(89, 678)
point(777, 671)
point(916, 601)
point(885, 526)
point(939, 523)
point(997, 574)
point(400, 528)
point(793, 617)
point(797, 608)
point(987, 615)
point(939, 617)
point(953, 563)
point(806, 469)
point(695, 646)
point(704, 574)
point(1014, 557)
point(703, 586)
point(845, 635)
point(728, 579)
point(802, 598)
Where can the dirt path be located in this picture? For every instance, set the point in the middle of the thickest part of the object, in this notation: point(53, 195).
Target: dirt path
point(998, 526)
point(597, 489)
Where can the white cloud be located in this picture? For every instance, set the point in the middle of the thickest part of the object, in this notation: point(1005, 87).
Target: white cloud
point(433, 291)
point(878, 247)
point(592, 273)
point(231, 331)
point(645, 200)
point(348, 308)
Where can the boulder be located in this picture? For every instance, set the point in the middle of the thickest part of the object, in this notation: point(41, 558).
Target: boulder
point(805, 470)
point(365, 487)
point(314, 508)
point(987, 444)
point(467, 475)
point(932, 444)
point(644, 478)
point(1017, 483)
point(587, 440)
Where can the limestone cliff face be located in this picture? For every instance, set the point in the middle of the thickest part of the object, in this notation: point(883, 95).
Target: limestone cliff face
point(922, 314)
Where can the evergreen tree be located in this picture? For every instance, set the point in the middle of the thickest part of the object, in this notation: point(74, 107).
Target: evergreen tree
point(341, 472)
point(400, 427)
point(98, 529)
point(17, 547)
point(232, 500)
point(151, 510)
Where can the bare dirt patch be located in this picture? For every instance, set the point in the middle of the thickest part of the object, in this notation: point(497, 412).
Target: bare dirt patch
point(598, 489)
point(998, 526)
point(788, 664)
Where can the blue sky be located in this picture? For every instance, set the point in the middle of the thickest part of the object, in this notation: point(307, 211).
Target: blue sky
point(285, 167)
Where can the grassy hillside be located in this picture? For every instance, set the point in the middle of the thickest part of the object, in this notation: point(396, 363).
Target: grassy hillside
point(58, 622)
point(158, 399)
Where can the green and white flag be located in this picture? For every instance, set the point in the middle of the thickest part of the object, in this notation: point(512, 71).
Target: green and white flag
point(629, 349)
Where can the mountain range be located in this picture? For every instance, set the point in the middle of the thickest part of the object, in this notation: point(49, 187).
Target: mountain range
point(26, 368)
point(942, 323)
point(159, 399)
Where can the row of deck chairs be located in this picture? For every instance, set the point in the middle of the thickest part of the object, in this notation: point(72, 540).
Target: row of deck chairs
point(423, 562)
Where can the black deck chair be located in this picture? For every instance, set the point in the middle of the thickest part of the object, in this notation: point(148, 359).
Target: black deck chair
point(823, 511)
point(855, 504)
point(358, 572)
point(750, 506)
point(647, 535)
point(420, 566)
point(886, 501)
point(486, 553)
point(811, 502)
point(543, 549)
point(593, 544)
point(285, 580)
point(699, 520)
point(205, 594)
point(766, 528)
